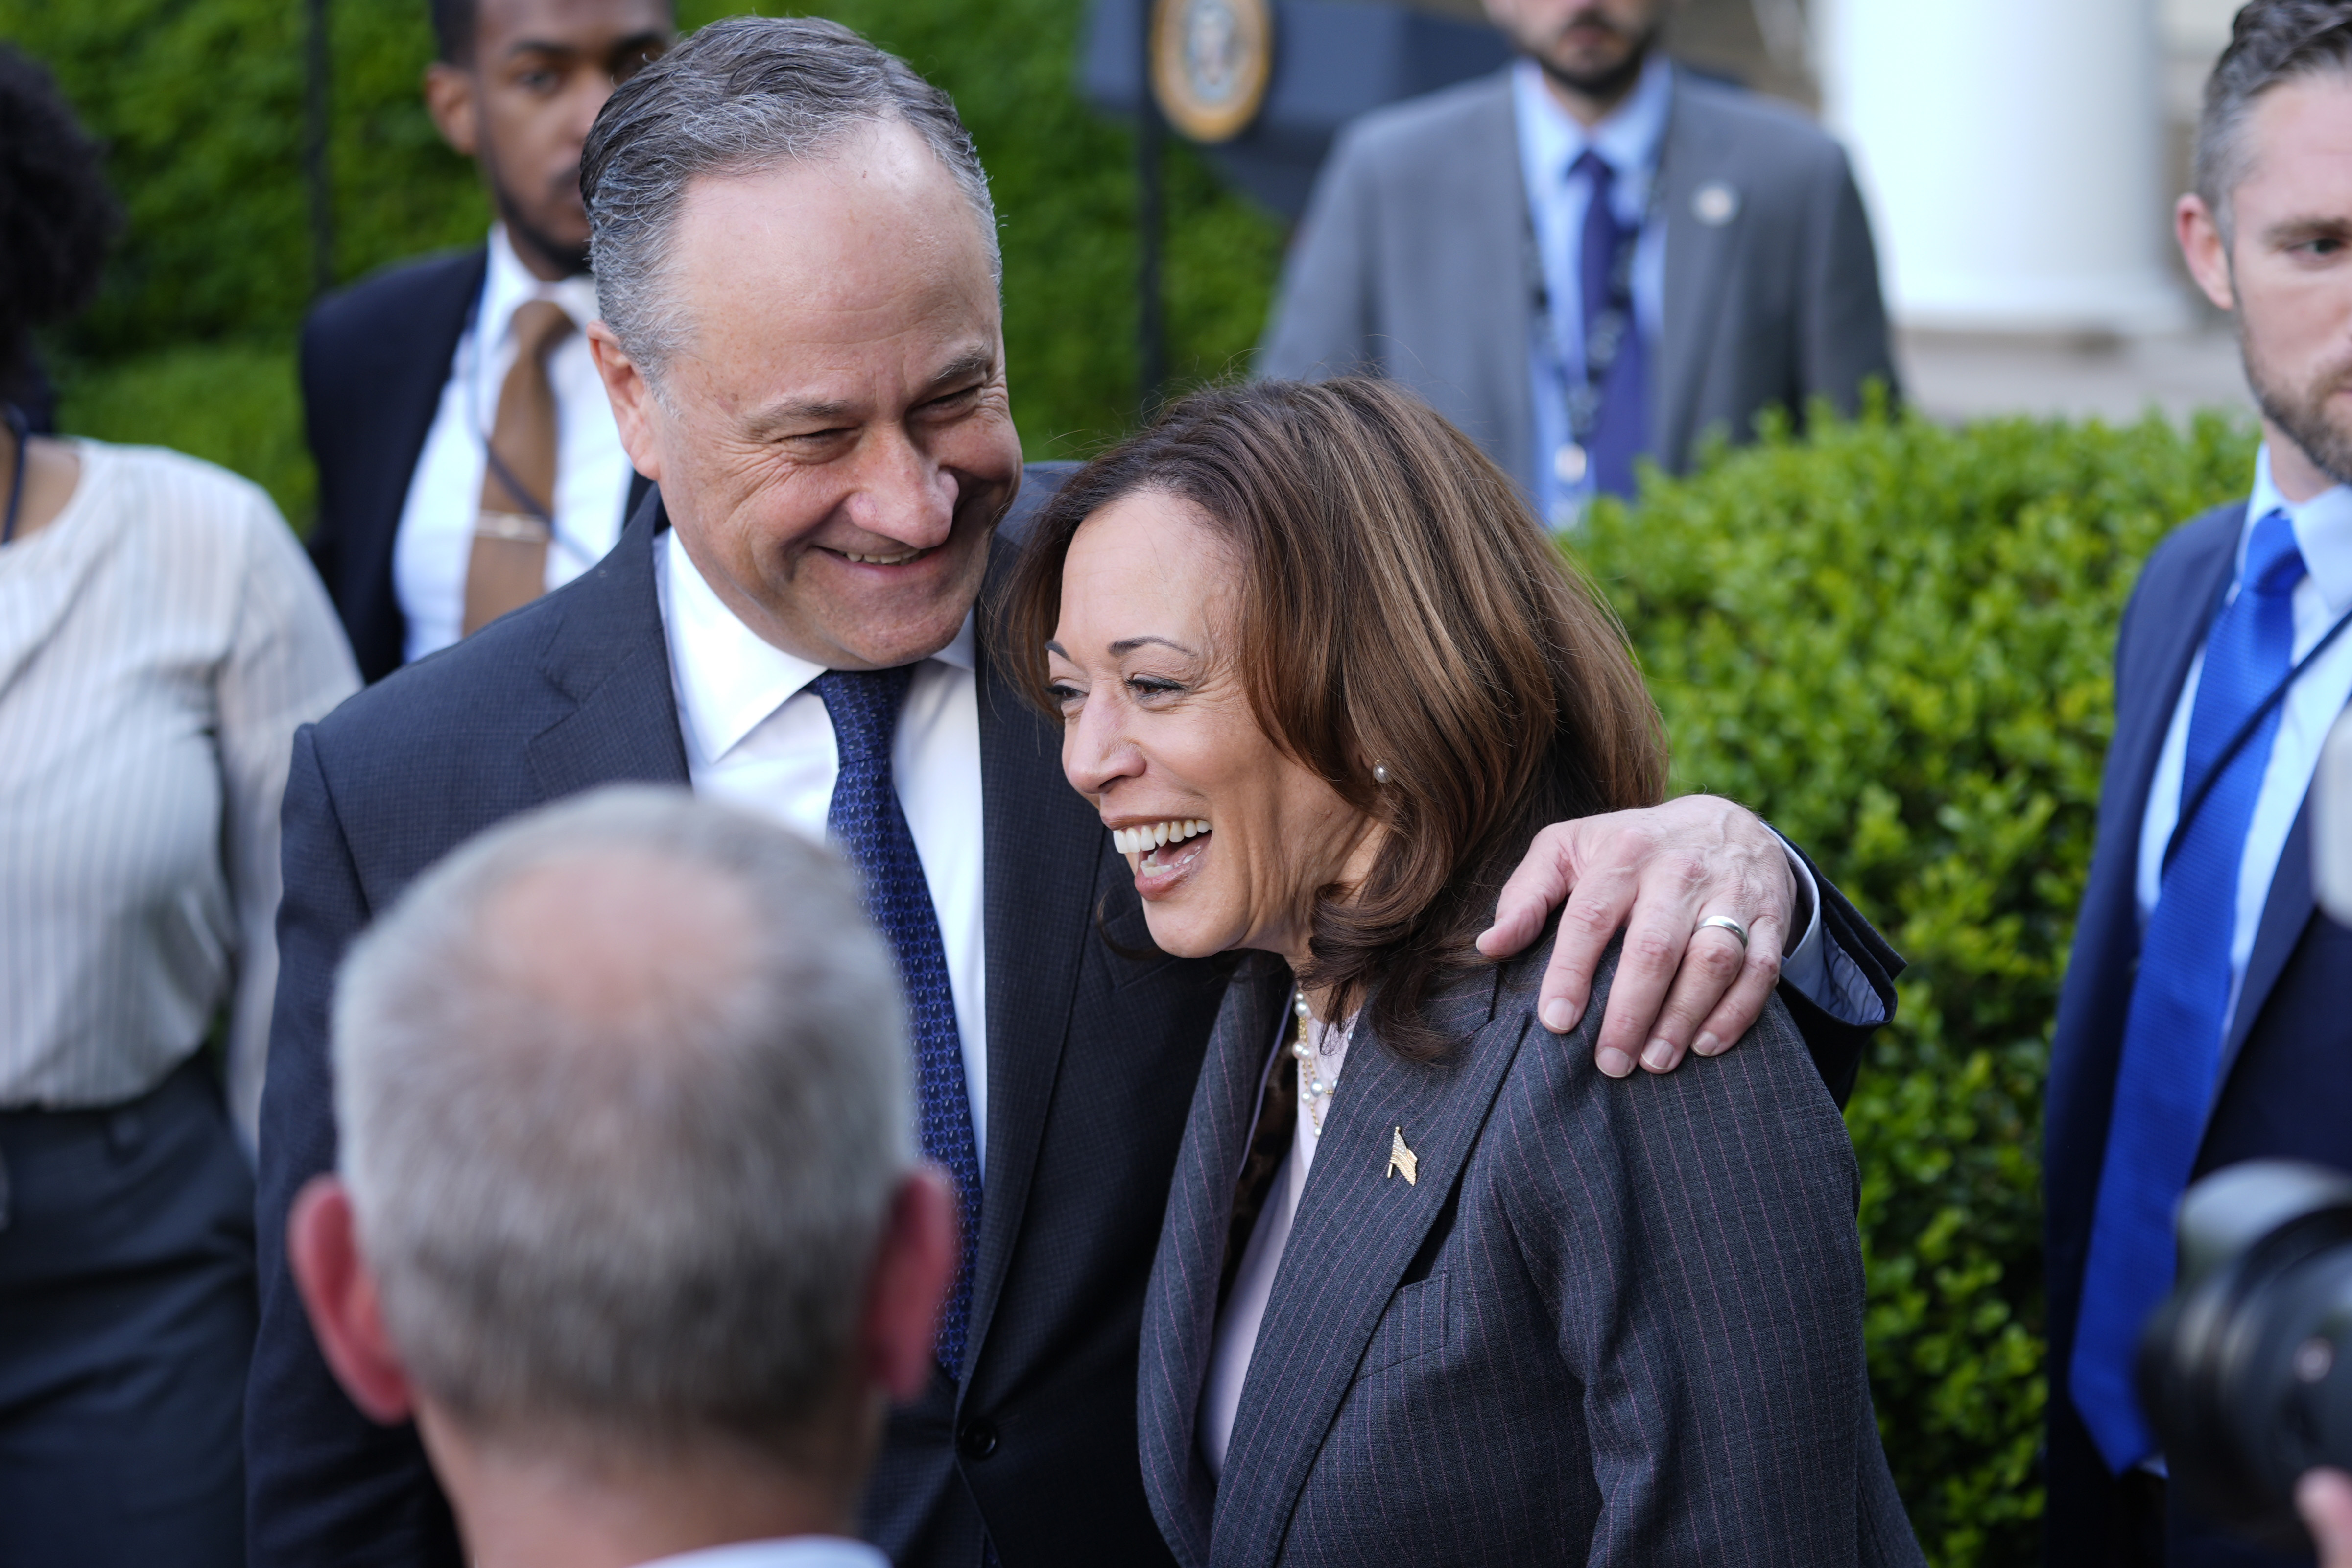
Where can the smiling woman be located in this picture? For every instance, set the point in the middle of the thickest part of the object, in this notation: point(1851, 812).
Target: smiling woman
point(1294, 585)
point(1324, 679)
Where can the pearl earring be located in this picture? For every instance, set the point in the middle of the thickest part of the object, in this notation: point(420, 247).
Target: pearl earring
point(1379, 773)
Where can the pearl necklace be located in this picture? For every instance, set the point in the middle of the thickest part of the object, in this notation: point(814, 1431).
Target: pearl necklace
point(1314, 1088)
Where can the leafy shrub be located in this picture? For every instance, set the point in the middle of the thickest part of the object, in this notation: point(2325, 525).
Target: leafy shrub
point(233, 404)
point(1895, 640)
point(202, 104)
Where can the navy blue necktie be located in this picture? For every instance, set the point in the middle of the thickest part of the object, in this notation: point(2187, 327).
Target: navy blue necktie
point(2179, 1001)
point(869, 826)
point(1621, 430)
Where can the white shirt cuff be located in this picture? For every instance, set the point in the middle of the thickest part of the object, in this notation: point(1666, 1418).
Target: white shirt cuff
point(1817, 967)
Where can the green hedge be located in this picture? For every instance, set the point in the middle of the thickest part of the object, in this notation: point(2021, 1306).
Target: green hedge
point(1894, 641)
point(201, 102)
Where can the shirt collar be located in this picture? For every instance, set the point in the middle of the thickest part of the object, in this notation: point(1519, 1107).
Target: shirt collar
point(2323, 531)
point(1550, 138)
point(730, 678)
point(509, 283)
point(788, 1552)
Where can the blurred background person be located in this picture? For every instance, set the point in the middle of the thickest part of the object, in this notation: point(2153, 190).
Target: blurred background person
point(627, 1213)
point(161, 637)
point(468, 458)
point(1589, 257)
point(2202, 1021)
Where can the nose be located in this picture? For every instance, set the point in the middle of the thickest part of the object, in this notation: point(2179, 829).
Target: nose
point(901, 493)
point(1096, 752)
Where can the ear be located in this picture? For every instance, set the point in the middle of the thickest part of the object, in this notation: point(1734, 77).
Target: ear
point(455, 107)
point(2200, 233)
point(912, 1271)
point(632, 398)
point(322, 1244)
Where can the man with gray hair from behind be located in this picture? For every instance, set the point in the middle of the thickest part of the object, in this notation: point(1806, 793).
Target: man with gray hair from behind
point(627, 1214)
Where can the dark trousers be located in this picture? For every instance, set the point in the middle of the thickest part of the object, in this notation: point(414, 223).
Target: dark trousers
point(127, 1316)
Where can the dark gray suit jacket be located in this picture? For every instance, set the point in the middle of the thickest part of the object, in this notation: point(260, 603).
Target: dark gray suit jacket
point(1410, 262)
point(1610, 1321)
point(1092, 1053)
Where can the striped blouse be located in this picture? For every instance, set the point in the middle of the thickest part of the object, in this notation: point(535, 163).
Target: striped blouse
point(160, 641)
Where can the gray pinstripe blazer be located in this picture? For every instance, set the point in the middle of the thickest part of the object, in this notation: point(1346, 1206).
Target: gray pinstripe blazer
point(1611, 1322)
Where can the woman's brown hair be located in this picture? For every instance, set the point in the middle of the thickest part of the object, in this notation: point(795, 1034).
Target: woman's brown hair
point(1396, 603)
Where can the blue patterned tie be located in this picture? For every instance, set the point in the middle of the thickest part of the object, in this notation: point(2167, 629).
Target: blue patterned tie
point(870, 827)
point(1621, 430)
point(2179, 1001)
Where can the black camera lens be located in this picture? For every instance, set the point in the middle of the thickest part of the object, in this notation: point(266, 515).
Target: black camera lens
point(2245, 1372)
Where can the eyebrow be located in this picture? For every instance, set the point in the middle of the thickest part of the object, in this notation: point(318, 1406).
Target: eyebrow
point(1126, 645)
point(969, 365)
point(2295, 230)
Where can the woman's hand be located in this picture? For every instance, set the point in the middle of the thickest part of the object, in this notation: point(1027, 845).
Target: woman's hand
point(1655, 874)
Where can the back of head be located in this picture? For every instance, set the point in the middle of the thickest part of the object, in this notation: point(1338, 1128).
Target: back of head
point(622, 1093)
point(742, 96)
point(56, 214)
point(1397, 602)
point(2271, 42)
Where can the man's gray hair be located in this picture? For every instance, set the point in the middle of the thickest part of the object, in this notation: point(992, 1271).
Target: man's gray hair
point(2271, 42)
point(742, 96)
point(633, 1203)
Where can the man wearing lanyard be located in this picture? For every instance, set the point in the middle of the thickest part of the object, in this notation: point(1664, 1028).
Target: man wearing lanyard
point(1591, 258)
point(467, 458)
point(2204, 1017)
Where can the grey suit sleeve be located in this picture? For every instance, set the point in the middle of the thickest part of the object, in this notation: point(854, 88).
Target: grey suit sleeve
point(1842, 337)
point(1695, 1244)
point(1323, 314)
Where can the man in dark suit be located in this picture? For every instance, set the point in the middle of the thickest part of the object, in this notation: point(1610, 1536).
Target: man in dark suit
point(2204, 1016)
point(1590, 258)
point(411, 378)
point(788, 621)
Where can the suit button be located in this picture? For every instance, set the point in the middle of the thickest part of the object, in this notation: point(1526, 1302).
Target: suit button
point(978, 1440)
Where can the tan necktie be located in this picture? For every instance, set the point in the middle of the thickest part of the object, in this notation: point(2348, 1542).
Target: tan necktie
point(509, 565)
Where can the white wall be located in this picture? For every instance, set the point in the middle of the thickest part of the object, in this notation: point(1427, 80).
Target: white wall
point(2012, 156)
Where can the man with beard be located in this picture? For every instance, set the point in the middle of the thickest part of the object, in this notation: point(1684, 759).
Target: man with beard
point(468, 458)
point(2203, 1020)
point(1591, 258)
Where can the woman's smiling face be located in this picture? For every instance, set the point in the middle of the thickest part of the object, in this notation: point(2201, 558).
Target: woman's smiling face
point(1229, 836)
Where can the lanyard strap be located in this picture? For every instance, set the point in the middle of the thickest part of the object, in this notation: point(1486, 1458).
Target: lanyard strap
point(21, 428)
point(1604, 337)
point(2245, 732)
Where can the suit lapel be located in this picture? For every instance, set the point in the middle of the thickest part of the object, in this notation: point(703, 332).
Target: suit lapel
point(411, 391)
point(1697, 152)
point(1041, 851)
point(2285, 912)
point(1183, 1310)
point(1498, 314)
point(1356, 1231)
point(609, 653)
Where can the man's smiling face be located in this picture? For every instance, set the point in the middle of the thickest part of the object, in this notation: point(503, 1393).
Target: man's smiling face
point(832, 438)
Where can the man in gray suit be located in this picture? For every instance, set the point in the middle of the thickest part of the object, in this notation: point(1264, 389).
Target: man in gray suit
point(1590, 256)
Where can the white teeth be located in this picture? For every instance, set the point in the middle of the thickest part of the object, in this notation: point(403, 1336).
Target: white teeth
point(881, 559)
point(1142, 840)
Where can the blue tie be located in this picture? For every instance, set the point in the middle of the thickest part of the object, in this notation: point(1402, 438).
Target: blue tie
point(870, 827)
point(1620, 431)
point(2180, 999)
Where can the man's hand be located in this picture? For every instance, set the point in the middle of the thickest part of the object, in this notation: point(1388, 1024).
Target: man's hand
point(1655, 874)
point(2324, 1498)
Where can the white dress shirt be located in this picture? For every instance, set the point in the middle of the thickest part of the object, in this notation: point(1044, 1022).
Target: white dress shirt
point(1551, 140)
point(160, 642)
point(2323, 531)
point(784, 1552)
point(435, 539)
point(757, 735)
